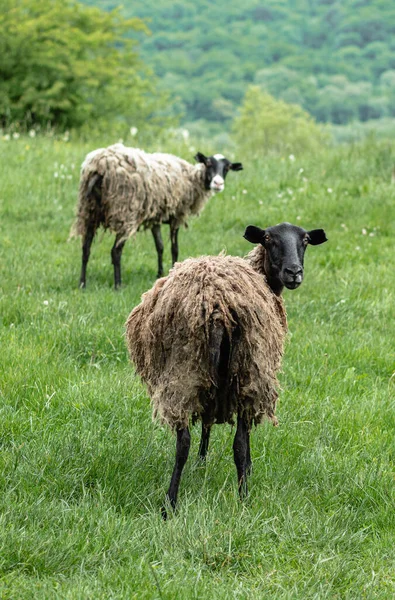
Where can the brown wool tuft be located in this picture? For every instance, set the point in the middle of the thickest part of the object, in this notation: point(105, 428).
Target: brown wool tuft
point(174, 333)
point(137, 189)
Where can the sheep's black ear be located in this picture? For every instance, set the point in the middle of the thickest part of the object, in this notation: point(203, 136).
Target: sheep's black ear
point(317, 236)
point(254, 234)
point(199, 157)
point(236, 166)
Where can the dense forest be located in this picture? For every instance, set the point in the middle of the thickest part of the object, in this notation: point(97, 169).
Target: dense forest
point(334, 58)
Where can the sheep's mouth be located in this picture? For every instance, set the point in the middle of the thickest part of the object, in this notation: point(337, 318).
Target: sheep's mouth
point(292, 285)
point(217, 188)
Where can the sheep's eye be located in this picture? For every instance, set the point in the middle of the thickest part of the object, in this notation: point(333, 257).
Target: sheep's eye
point(267, 238)
point(306, 240)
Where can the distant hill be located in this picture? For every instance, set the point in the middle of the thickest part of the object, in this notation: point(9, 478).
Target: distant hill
point(336, 59)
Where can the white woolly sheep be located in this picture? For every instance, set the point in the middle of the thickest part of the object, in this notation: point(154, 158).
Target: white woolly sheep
point(208, 340)
point(124, 189)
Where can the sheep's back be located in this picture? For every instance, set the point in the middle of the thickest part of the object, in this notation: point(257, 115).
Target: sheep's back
point(169, 335)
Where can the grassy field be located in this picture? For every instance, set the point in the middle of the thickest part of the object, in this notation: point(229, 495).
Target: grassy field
point(83, 470)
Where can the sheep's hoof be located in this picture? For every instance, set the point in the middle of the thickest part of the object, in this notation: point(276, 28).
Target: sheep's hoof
point(169, 504)
point(82, 285)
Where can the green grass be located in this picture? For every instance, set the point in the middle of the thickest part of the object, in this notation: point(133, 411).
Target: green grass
point(84, 470)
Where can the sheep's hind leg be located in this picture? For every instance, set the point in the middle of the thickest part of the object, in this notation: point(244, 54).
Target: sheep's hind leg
point(159, 247)
point(204, 440)
point(86, 250)
point(182, 451)
point(249, 462)
point(174, 242)
point(116, 254)
point(241, 453)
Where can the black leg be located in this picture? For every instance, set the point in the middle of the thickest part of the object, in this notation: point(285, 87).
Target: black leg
point(241, 452)
point(204, 440)
point(182, 451)
point(116, 253)
point(159, 247)
point(174, 242)
point(249, 462)
point(86, 250)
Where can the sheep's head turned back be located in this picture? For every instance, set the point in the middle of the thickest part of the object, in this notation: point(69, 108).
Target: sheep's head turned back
point(284, 247)
point(217, 168)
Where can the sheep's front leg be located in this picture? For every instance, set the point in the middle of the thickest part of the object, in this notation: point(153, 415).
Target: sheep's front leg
point(174, 242)
point(241, 453)
point(182, 451)
point(159, 247)
point(116, 253)
point(86, 250)
point(204, 440)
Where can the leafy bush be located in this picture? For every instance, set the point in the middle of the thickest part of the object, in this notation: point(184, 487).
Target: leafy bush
point(66, 64)
point(268, 125)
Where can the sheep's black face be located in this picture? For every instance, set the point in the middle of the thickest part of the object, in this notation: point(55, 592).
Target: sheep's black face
point(285, 245)
point(217, 168)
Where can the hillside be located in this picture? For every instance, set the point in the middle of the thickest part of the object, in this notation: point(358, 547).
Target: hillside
point(336, 59)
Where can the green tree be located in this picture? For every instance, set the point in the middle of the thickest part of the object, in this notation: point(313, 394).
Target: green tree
point(66, 64)
point(267, 125)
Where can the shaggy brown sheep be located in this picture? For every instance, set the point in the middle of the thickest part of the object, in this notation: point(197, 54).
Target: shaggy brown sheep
point(124, 189)
point(208, 340)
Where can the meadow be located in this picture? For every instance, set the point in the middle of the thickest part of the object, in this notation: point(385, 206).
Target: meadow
point(83, 469)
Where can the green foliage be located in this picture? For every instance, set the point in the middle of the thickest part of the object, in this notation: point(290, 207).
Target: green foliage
point(83, 470)
point(214, 50)
point(63, 64)
point(267, 125)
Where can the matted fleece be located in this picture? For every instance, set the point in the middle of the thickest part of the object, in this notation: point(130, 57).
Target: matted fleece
point(135, 189)
point(173, 342)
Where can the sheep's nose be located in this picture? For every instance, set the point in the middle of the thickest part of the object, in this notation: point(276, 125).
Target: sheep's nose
point(293, 271)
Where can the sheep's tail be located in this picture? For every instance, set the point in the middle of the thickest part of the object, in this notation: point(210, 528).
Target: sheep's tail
point(219, 349)
point(89, 205)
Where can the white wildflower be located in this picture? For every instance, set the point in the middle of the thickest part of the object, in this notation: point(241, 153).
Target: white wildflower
point(185, 134)
point(16, 135)
point(329, 190)
point(244, 191)
point(6, 137)
point(364, 232)
point(56, 174)
point(133, 131)
point(291, 157)
point(46, 302)
point(32, 133)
